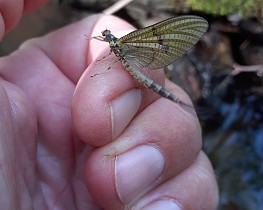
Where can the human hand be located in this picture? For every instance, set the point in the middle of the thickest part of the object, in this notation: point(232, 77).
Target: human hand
point(66, 138)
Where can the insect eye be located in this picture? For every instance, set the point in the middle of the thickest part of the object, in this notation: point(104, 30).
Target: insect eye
point(105, 32)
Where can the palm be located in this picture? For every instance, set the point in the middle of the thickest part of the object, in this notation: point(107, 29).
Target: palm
point(48, 160)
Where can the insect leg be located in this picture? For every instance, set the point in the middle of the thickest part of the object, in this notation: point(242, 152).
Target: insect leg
point(105, 56)
point(110, 66)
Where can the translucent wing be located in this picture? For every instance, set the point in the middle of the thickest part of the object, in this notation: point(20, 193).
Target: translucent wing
point(159, 45)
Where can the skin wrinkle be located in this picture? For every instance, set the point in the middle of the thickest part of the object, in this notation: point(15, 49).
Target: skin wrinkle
point(57, 66)
point(55, 100)
point(32, 44)
point(7, 171)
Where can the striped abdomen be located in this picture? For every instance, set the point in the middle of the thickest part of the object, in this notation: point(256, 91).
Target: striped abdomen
point(149, 83)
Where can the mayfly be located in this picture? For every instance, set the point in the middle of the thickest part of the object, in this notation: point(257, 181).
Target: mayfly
point(156, 46)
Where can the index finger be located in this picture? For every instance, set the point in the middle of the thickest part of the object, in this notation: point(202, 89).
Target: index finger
point(92, 101)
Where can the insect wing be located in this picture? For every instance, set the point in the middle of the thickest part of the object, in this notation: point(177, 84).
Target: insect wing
point(161, 44)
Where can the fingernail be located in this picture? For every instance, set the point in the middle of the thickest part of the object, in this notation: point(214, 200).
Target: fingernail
point(123, 110)
point(136, 170)
point(162, 205)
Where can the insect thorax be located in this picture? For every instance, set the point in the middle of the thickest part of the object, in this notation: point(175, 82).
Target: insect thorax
point(116, 47)
point(110, 38)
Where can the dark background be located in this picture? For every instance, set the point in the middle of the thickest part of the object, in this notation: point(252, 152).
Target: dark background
point(222, 74)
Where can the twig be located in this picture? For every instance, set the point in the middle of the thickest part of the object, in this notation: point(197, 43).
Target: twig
point(253, 68)
point(116, 7)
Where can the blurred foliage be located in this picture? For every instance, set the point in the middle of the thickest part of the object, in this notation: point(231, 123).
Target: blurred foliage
point(246, 8)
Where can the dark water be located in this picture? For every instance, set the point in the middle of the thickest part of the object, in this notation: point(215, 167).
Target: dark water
point(234, 144)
